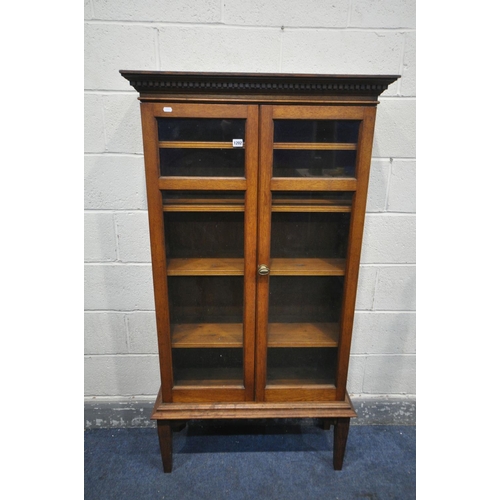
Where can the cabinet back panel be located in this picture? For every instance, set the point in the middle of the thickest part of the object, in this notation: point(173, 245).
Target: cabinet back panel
point(301, 366)
point(302, 235)
point(207, 366)
point(345, 131)
point(199, 162)
point(205, 299)
point(201, 129)
point(204, 234)
point(297, 299)
point(313, 163)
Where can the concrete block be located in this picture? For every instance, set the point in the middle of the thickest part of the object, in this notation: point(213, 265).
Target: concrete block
point(88, 11)
point(380, 409)
point(355, 374)
point(127, 412)
point(323, 13)
point(100, 239)
point(378, 185)
point(391, 374)
point(219, 48)
point(185, 11)
point(119, 287)
point(132, 233)
point(366, 287)
point(338, 51)
point(395, 289)
point(133, 375)
point(409, 76)
point(395, 129)
point(105, 333)
point(122, 121)
point(111, 47)
point(389, 239)
point(114, 182)
point(142, 333)
point(383, 14)
point(384, 333)
point(402, 191)
point(94, 140)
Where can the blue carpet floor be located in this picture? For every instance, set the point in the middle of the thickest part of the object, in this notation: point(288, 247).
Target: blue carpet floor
point(247, 460)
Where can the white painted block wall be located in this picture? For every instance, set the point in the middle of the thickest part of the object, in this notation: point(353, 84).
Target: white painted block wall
point(292, 36)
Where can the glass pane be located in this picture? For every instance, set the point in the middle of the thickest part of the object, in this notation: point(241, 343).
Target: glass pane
point(313, 163)
point(216, 162)
point(316, 131)
point(305, 299)
point(204, 240)
point(204, 234)
point(207, 367)
point(309, 235)
point(301, 366)
point(205, 299)
point(304, 313)
point(206, 316)
point(201, 129)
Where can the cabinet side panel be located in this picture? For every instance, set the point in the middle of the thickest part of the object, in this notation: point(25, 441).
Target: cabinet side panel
point(354, 248)
point(158, 254)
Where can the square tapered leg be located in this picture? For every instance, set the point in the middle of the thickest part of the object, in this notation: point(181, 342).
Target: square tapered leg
point(340, 433)
point(164, 428)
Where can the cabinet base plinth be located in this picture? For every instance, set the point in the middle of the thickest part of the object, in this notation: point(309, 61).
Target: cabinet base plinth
point(172, 417)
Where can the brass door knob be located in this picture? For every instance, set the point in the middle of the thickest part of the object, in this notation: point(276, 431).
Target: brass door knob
point(263, 270)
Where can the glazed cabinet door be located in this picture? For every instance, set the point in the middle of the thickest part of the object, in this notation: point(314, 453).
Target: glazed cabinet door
point(201, 173)
point(314, 163)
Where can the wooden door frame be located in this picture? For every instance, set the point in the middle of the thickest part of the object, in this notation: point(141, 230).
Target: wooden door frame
point(359, 186)
point(155, 183)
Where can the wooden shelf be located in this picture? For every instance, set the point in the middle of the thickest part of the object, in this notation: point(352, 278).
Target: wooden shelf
point(300, 206)
point(178, 207)
point(205, 267)
point(313, 184)
point(307, 267)
point(208, 377)
point(204, 205)
point(230, 335)
point(323, 146)
point(209, 335)
point(310, 205)
point(311, 208)
point(196, 145)
point(296, 377)
point(303, 335)
point(235, 267)
point(203, 183)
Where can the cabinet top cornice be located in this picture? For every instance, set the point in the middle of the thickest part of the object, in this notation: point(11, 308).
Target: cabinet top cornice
point(172, 83)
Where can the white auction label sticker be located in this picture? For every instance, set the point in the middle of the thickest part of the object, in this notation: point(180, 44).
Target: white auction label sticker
point(167, 110)
point(237, 143)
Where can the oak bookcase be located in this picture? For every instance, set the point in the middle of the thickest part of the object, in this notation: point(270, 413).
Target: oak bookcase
point(256, 187)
